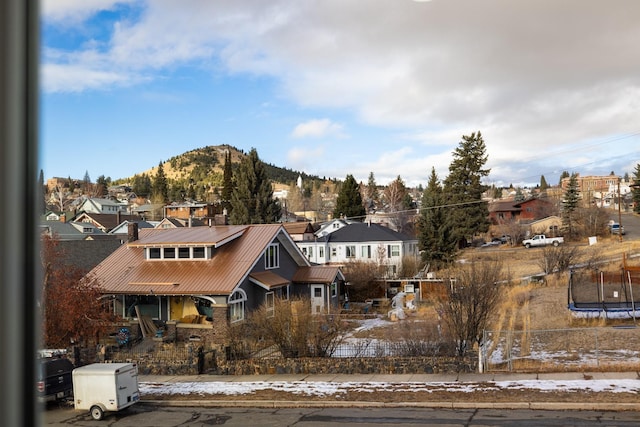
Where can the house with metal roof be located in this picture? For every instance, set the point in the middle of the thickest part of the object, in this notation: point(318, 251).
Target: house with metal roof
point(211, 276)
point(341, 242)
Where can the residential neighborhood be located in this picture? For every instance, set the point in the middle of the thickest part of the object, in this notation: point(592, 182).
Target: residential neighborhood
point(182, 273)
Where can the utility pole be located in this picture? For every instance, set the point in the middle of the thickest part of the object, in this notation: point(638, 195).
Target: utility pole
point(619, 213)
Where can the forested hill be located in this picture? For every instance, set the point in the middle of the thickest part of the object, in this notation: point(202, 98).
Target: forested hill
point(203, 167)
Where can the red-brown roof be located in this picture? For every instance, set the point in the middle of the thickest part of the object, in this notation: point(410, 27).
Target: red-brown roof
point(316, 274)
point(238, 249)
point(268, 279)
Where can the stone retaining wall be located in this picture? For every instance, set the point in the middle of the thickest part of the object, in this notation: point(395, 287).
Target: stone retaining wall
point(389, 365)
point(364, 365)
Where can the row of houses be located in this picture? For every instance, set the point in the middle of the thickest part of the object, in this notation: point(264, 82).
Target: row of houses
point(200, 274)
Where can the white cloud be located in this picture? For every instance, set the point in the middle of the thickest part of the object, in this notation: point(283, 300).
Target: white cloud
point(531, 75)
point(72, 12)
point(317, 128)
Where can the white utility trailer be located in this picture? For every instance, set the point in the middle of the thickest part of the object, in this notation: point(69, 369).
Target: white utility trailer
point(105, 387)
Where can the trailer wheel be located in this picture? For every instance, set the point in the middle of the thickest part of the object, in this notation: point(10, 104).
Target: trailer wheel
point(96, 412)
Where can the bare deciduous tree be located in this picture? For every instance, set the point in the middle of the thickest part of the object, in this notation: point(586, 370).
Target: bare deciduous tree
point(361, 277)
point(558, 259)
point(294, 330)
point(473, 297)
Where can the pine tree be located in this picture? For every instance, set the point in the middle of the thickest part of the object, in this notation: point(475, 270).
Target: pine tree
point(227, 183)
point(570, 205)
point(102, 186)
point(563, 175)
point(543, 183)
point(635, 192)
point(349, 202)
point(252, 199)
point(434, 231)
point(463, 188)
point(160, 186)
point(371, 193)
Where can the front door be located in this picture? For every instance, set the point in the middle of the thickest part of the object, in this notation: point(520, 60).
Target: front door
point(317, 299)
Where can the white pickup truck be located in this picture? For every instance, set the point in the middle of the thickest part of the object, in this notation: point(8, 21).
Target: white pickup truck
point(542, 240)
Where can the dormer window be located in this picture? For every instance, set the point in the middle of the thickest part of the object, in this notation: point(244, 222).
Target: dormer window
point(180, 253)
point(198, 252)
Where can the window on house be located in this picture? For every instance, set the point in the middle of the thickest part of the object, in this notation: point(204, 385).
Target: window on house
point(87, 229)
point(154, 253)
point(198, 252)
point(321, 252)
point(270, 305)
point(393, 251)
point(184, 253)
point(236, 306)
point(169, 253)
point(282, 292)
point(365, 251)
point(350, 251)
point(310, 251)
point(272, 256)
point(334, 289)
point(334, 252)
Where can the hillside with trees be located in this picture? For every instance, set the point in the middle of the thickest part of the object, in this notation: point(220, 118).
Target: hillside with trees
point(200, 174)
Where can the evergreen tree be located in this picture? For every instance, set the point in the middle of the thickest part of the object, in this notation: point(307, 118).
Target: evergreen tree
point(252, 199)
point(371, 193)
point(86, 183)
point(570, 205)
point(102, 186)
point(519, 195)
point(563, 175)
point(160, 193)
point(434, 231)
point(227, 183)
point(635, 189)
point(349, 202)
point(141, 185)
point(543, 183)
point(463, 188)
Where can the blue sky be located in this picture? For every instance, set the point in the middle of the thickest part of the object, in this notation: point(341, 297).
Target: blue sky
point(337, 87)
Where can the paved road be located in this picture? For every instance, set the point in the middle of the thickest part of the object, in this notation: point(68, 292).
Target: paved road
point(631, 224)
point(143, 415)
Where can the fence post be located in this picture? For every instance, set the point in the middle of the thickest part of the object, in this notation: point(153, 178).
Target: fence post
point(597, 352)
point(481, 352)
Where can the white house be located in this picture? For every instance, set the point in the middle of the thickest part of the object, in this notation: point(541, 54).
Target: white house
point(100, 206)
point(342, 242)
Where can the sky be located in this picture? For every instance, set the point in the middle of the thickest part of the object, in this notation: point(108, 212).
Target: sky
point(338, 87)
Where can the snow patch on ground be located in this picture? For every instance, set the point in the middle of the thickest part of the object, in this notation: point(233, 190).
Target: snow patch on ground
point(327, 388)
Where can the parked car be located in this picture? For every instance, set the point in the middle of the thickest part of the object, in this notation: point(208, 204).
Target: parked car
point(542, 240)
point(54, 379)
point(616, 228)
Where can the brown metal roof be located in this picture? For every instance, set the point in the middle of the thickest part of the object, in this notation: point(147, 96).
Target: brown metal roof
point(238, 249)
point(298, 227)
point(211, 236)
point(316, 274)
point(268, 279)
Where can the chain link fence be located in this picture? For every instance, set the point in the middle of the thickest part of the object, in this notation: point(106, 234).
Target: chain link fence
point(615, 348)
